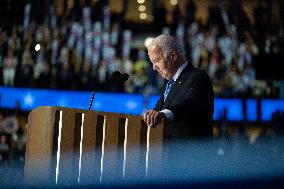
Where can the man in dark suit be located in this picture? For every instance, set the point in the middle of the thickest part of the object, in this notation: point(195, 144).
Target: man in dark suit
point(187, 99)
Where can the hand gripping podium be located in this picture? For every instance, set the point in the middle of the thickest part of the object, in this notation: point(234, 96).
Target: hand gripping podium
point(77, 146)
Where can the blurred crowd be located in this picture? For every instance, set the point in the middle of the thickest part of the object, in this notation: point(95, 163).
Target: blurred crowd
point(12, 139)
point(81, 47)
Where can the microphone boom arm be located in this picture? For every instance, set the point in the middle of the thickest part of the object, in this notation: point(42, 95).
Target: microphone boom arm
point(91, 102)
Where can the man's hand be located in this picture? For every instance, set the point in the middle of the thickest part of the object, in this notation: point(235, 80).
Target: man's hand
point(152, 117)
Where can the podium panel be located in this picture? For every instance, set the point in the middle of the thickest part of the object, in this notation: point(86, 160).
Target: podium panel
point(70, 146)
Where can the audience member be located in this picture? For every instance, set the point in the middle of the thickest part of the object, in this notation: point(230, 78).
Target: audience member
point(68, 58)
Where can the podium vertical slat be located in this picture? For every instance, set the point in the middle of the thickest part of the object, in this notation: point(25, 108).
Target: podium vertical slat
point(143, 148)
point(76, 145)
point(155, 150)
point(65, 174)
point(55, 146)
point(109, 150)
point(120, 147)
point(132, 149)
point(89, 173)
point(39, 146)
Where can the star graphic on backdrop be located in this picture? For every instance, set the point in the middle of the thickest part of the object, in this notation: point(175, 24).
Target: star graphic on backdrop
point(131, 105)
point(97, 104)
point(62, 102)
point(28, 100)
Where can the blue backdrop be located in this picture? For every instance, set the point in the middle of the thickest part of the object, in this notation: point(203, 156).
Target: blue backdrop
point(29, 99)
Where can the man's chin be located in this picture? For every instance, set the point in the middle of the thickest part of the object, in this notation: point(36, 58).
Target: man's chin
point(166, 77)
point(163, 76)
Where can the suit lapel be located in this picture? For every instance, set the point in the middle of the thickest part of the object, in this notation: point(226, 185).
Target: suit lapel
point(178, 83)
point(162, 95)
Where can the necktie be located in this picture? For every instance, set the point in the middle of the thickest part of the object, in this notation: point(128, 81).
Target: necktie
point(168, 88)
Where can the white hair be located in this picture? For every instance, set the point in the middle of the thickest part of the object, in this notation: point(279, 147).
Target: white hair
point(167, 43)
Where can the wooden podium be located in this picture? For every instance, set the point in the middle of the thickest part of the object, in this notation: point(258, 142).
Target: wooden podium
point(77, 146)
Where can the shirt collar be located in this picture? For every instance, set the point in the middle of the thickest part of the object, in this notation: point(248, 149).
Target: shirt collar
point(181, 68)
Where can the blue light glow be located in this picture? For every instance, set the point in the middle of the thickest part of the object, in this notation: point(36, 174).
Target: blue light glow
point(270, 106)
point(108, 102)
point(126, 103)
point(251, 109)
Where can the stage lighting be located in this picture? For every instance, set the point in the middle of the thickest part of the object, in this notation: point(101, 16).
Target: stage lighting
point(148, 41)
point(142, 8)
point(143, 16)
point(173, 2)
point(37, 47)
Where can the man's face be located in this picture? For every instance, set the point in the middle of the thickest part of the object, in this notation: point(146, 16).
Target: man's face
point(161, 63)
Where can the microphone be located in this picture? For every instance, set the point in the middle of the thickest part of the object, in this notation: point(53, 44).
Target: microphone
point(123, 77)
point(91, 102)
point(116, 78)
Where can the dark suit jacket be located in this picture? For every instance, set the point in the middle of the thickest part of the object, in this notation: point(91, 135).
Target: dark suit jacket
point(191, 99)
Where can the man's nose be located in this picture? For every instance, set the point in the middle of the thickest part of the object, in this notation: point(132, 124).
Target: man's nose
point(155, 67)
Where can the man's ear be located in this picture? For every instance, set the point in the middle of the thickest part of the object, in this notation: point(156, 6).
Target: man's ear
point(173, 55)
